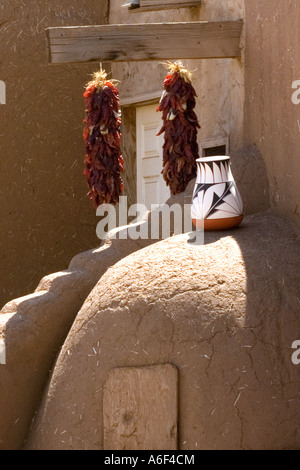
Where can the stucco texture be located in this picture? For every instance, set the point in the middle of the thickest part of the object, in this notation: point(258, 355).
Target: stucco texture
point(272, 121)
point(34, 327)
point(219, 83)
point(45, 216)
point(224, 313)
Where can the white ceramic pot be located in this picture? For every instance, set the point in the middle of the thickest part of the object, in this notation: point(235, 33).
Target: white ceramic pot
point(217, 203)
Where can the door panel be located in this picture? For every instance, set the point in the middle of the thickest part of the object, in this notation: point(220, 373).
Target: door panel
point(151, 188)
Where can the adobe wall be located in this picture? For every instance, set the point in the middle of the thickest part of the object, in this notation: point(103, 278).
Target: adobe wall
point(219, 83)
point(225, 314)
point(34, 326)
point(272, 120)
point(45, 216)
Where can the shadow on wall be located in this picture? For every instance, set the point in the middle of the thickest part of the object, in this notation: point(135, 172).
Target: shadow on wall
point(258, 351)
point(250, 175)
point(45, 216)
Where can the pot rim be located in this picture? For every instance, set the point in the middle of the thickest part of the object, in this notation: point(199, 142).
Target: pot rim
point(215, 158)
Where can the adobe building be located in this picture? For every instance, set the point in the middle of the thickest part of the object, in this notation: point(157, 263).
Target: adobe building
point(234, 107)
point(201, 334)
point(45, 219)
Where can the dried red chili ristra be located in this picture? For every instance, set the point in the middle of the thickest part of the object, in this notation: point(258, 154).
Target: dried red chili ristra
point(180, 124)
point(103, 159)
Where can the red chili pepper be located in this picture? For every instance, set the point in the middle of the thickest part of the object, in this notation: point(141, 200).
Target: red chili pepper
point(103, 159)
point(180, 124)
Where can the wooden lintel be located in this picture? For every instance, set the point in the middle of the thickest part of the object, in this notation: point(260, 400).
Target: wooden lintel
point(141, 99)
point(149, 41)
point(151, 5)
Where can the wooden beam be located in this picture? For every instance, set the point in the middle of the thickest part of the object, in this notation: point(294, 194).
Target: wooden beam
point(140, 100)
point(151, 5)
point(162, 3)
point(149, 41)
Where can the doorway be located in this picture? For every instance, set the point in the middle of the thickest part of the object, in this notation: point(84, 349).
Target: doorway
point(151, 187)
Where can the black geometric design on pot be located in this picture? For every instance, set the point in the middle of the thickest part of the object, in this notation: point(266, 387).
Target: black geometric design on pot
point(220, 200)
point(213, 172)
point(199, 188)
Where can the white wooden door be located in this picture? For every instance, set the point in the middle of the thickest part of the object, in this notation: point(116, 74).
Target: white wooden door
point(151, 187)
